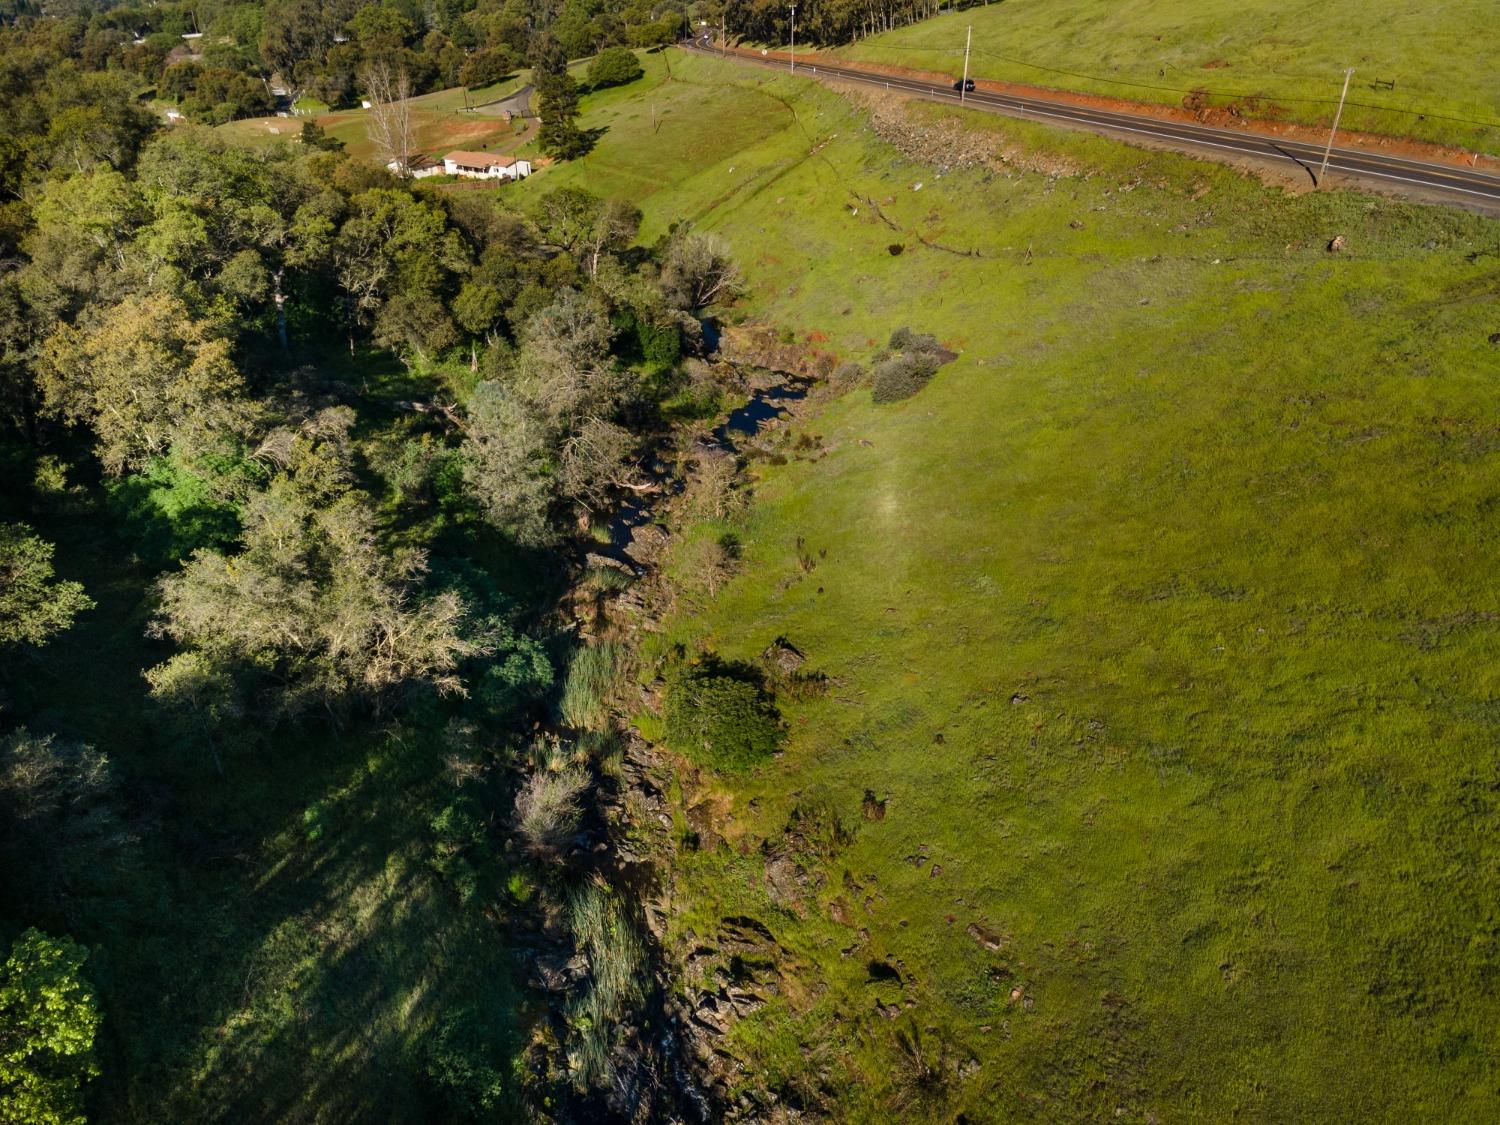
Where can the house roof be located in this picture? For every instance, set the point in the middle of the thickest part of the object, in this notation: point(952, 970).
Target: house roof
point(480, 159)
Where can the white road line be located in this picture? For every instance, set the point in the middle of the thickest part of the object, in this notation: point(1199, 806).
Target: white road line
point(1250, 146)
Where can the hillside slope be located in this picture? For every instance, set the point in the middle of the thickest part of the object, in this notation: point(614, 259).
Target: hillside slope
point(1265, 58)
point(1156, 775)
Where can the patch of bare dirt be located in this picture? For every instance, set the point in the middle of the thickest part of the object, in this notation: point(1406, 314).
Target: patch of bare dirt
point(947, 144)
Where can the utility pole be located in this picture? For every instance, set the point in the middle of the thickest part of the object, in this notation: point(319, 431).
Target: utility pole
point(963, 87)
point(1348, 74)
point(793, 51)
point(723, 33)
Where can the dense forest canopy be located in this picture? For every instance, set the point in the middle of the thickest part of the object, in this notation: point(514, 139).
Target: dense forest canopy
point(219, 61)
point(297, 454)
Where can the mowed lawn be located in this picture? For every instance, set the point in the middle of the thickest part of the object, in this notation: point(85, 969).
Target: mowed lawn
point(1441, 58)
point(1163, 622)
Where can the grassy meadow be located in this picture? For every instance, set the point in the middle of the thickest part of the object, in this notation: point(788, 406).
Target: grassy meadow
point(1290, 62)
point(1160, 622)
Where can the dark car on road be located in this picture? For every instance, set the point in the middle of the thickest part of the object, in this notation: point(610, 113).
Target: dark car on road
point(964, 84)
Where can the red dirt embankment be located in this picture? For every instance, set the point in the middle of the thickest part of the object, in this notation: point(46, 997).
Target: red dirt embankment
point(1233, 117)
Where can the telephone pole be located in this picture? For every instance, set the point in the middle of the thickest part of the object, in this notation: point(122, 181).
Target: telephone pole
point(723, 33)
point(1348, 74)
point(793, 50)
point(963, 86)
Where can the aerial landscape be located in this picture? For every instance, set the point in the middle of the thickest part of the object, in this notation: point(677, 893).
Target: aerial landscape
point(602, 561)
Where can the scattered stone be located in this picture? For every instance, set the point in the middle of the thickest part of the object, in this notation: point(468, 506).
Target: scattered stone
point(604, 562)
point(700, 818)
point(1495, 338)
point(1337, 244)
point(783, 656)
point(783, 877)
point(985, 936)
point(1019, 698)
point(937, 869)
point(874, 806)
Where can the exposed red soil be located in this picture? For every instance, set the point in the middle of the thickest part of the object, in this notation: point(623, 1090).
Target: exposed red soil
point(1233, 117)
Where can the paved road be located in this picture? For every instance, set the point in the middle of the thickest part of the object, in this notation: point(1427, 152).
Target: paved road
point(517, 105)
point(1470, 187)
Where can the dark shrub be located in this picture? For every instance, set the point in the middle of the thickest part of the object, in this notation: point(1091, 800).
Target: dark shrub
point(902, 376)
point(905, 340)
point(721, 716)
point(614, 66)
point(906, 366)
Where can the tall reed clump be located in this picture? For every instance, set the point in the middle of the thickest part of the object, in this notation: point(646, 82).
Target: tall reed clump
point(604, 934)
point(592, 676)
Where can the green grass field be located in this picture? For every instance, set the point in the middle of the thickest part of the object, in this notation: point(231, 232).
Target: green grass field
point(1441, 58)
point(1161, 621)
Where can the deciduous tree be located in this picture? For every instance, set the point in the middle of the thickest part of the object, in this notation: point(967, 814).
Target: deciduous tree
point(33, 604)
point(143, 376)
point(48, 1021)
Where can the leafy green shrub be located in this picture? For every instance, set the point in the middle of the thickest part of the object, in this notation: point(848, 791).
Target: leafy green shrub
point(614, 66)
point(660, 344)
point(458, 830)
point(721, 716)
point(48, 1020)
point(171, 509)
point(471, 1058)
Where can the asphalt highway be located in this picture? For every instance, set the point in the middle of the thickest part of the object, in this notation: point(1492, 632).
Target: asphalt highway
point(1424, 179)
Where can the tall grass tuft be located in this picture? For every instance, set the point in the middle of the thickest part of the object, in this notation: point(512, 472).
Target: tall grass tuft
point(548, 809)
point(591, 680)
point(617, 968)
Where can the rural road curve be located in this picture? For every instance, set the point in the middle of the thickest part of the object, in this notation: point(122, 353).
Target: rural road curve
point(1465, 186)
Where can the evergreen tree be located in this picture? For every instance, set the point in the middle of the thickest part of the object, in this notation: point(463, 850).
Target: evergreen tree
point(557, 104)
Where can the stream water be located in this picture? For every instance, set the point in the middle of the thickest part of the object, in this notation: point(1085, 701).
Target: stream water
point(764, 406)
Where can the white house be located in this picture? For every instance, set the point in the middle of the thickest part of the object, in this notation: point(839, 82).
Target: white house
point(485, 166)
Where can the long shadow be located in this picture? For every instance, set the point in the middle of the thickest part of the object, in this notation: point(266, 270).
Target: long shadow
point(1297, 160)
point(275, 945)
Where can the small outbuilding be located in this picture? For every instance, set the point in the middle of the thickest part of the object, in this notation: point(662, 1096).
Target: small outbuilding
point(419, 168)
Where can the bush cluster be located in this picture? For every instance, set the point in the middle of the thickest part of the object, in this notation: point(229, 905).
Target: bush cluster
point(721, 716)
point(906, 366)
point(614, 66)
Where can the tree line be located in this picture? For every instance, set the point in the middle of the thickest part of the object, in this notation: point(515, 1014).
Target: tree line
point(187, 332)
point(217, 60)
